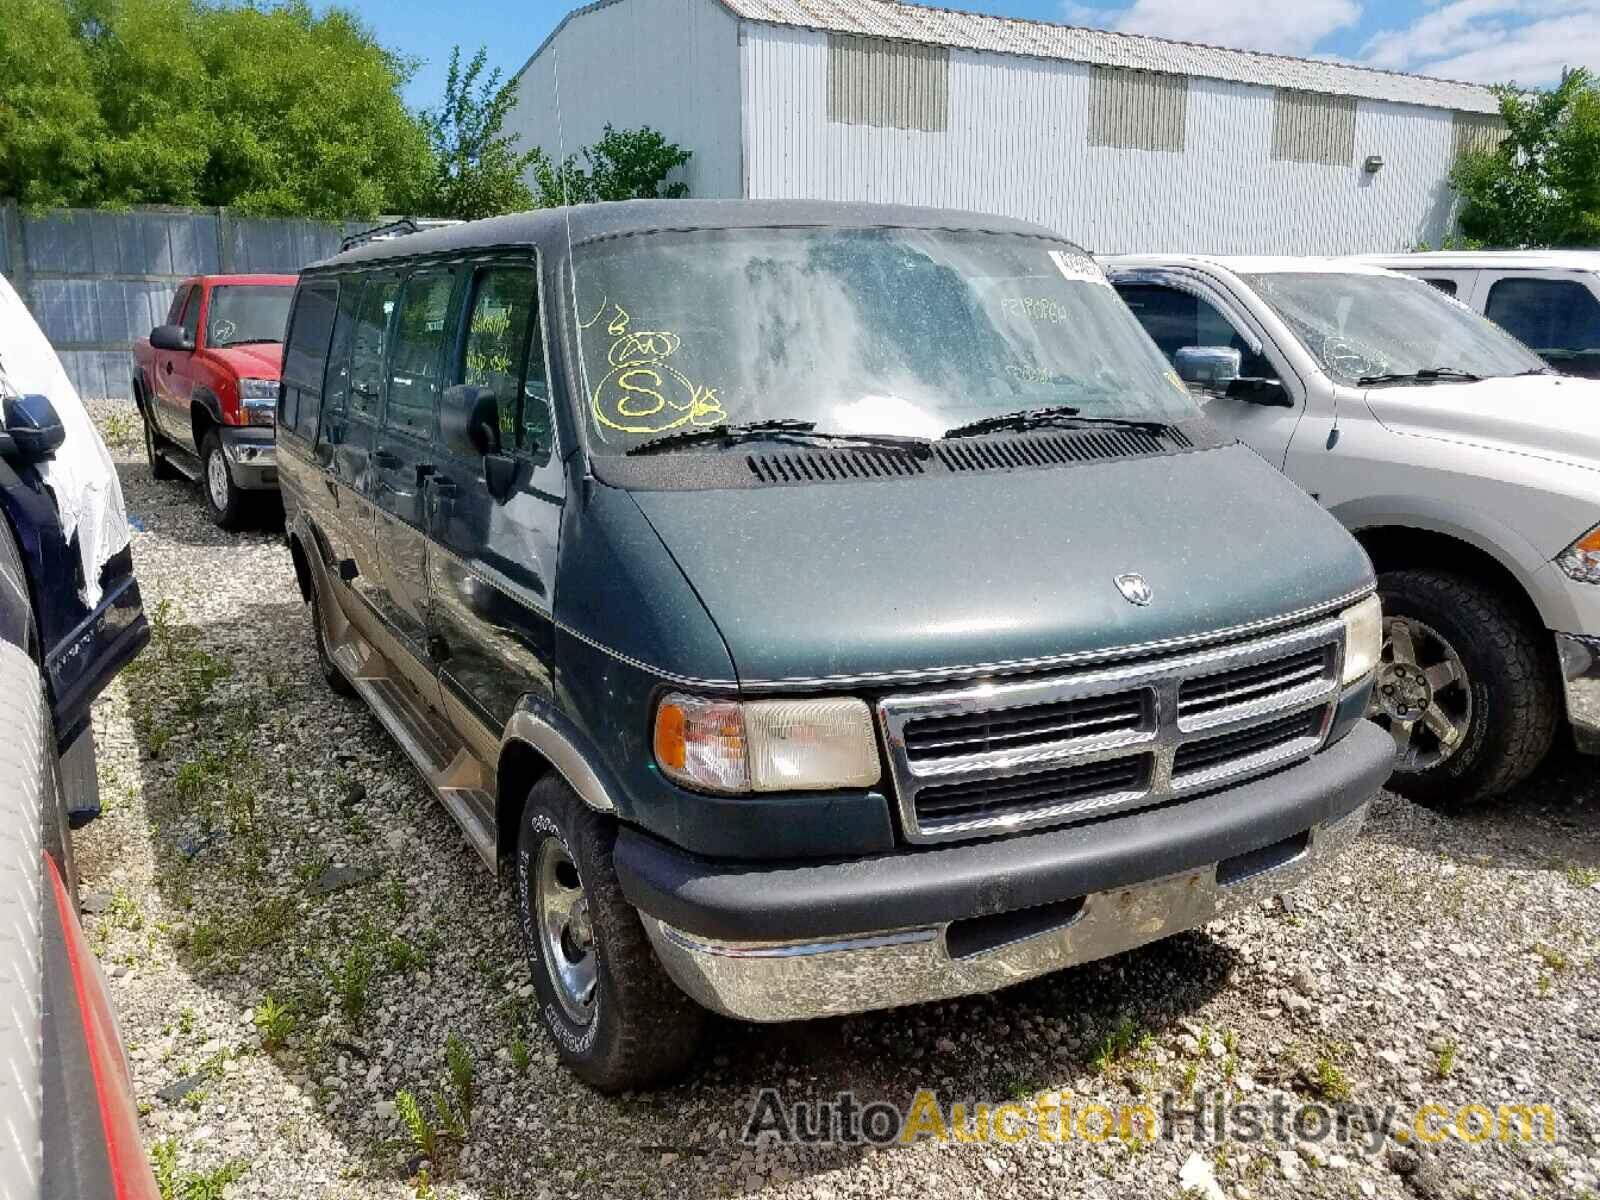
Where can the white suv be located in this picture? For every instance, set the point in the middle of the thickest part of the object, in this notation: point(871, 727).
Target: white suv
point(1547, 299)
point(1466, 467)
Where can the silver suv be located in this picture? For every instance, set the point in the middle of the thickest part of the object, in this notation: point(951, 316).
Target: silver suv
point(1468, 469)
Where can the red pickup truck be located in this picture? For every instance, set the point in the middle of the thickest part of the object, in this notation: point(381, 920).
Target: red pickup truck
point(206, 384)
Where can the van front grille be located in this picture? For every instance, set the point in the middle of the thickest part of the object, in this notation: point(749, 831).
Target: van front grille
point(1062, 792)
point(1032, 725)
point(999, 755)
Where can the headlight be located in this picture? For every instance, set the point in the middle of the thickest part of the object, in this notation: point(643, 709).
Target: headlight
point(1581, 560)
point(258, 389)
point(765, 745)
point(1363, 638)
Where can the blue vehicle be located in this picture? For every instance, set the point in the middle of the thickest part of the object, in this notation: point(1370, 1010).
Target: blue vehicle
point(68, 595)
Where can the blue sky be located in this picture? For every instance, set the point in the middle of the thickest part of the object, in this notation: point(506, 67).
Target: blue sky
point(1488, 41)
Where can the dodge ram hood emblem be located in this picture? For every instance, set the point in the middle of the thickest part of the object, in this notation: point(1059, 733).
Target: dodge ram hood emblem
point(1134, 589)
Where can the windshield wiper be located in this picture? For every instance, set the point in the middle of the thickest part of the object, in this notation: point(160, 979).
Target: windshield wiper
point(1425, 375)
point(778, 430)
point(1066, 415)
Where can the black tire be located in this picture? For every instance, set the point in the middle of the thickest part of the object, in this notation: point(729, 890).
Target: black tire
point(160, 468)
point(330, 670)
point(642, 1030)
point(227, 509)
point(1511, 672)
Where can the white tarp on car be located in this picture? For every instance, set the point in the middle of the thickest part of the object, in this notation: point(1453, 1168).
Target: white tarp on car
point(81, 475)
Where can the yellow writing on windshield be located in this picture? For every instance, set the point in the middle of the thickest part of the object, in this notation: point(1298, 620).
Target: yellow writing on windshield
point(642, 392)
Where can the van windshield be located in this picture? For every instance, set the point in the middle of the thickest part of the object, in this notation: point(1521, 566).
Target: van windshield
point(860, 331)
point(1388, 328)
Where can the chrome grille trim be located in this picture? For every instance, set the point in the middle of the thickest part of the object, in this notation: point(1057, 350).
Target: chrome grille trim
point(1225, 710)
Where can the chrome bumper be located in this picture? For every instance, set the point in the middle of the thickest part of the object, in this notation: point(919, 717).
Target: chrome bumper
point(788, 981)
point(1580, 666)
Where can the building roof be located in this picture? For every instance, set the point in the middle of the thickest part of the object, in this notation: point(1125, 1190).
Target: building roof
point(1042, 39)
point(1478, 260)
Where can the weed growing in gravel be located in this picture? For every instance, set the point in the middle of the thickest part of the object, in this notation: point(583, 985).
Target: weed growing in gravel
point(521, 1056)
point(1444, 1060)
point(275, 1021)
point(173, 1184)
point(1328, 1078)
point(352, 979)
point(1115, 1047)
point(1553, 958)
point(118, 430)
point(458, 1060)
point(1583, 877)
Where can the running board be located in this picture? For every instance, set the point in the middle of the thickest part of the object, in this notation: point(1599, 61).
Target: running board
point(182, 462)
point(461, 782)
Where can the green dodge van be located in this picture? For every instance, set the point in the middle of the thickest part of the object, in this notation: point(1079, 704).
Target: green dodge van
point(813, 607)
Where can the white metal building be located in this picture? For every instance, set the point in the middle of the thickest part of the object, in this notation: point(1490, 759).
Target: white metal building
point(1120, 142)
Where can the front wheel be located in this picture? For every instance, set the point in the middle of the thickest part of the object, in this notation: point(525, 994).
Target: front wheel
point(1465, 686)
point(617, 1020)
point(224, 498)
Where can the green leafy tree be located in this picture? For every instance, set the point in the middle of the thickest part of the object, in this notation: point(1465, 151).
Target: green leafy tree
point(49, 122)
point(477, 168)
point(275, 110)
point(1541, 185)
point(625, 164)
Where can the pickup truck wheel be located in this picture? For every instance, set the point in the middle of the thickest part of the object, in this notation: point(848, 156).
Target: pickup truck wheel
point(1466, 687)
point(160, 468)
point(224, 498)
point(617, 1020)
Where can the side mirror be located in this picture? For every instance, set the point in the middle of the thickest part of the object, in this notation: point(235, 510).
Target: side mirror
point(500, 475)
point(32, 431)
point(1268, 393)
point(170, 337)
point(469, 420)
point(1209, 366)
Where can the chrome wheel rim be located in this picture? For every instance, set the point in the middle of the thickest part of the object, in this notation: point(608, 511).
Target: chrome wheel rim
point(217, 479)
point(566, 931)
point(1422, 695)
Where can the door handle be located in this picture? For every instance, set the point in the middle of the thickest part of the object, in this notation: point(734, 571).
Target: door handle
point(425, 472)
point(167, 366)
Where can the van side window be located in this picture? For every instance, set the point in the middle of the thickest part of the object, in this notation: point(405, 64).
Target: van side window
point(371, 335)
point(414, 363)
point(305, 355)
point(1175, 319)
point(336, 386)
point(191, 314)
point(502, 353)
point(1557, 318)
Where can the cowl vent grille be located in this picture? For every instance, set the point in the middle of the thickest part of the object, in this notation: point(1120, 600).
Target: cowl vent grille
point(833, 466)
point(1054, 449)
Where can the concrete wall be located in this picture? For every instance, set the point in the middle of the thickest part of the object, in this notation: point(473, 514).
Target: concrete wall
point(1018, 144)
point(670, 64)
point(97, 280)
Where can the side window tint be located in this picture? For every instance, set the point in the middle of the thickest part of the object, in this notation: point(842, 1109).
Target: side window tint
point(414, 364)
point(1558, 318)
point(336, 385)
point(191, 314)
point(366, 353)
point(503, 354)
point(1175, 319)
point(305, 354)
point(1447, 286)
point(179, 301)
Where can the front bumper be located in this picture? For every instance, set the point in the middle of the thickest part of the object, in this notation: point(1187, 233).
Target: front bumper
point(252, 456)
point(1580, 668)
point(777, 943)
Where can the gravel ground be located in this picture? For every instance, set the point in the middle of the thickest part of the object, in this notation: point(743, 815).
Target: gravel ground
point(296, 934)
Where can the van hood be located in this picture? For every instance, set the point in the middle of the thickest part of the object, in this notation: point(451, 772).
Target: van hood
point(1554, 417)
point(252, 360)
point(839, 581)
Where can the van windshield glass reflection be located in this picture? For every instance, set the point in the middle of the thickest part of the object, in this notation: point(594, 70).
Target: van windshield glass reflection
point(877, 331)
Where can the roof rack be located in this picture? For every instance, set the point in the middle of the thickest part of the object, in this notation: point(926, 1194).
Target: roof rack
point(394, 229)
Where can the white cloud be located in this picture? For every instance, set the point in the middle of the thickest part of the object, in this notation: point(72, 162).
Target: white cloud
point(1493, 41)
point(1292, 28)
